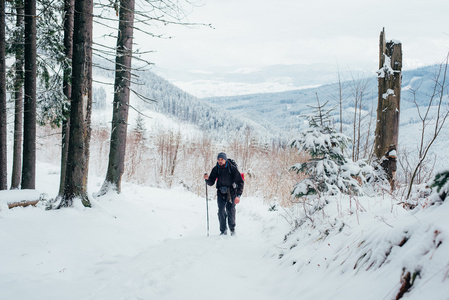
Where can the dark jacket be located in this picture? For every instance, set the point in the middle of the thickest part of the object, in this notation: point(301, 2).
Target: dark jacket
point(227, 176)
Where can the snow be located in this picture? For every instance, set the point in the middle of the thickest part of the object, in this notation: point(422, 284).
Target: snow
point(150, 243)
point(146, 243)
point(386, 69)
point(18, 195)
point(388, 93)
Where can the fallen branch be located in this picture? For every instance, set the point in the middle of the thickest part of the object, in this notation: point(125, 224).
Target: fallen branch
point(23, 203)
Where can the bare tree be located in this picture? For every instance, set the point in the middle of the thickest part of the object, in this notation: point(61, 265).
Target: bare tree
point(29, 114)
point(3, 116)
point(168, 145)
point(81, 107)
point(368, 146)
point(340, 98)
point(436, 100)
point(358, 86)
point(166, 12)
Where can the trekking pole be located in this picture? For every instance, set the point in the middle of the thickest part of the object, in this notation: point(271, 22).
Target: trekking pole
point(207, 208)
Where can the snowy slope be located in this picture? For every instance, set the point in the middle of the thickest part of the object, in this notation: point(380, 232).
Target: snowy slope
point(154, 93)
point(363, 252)
point(151, 243)
point(144, 244)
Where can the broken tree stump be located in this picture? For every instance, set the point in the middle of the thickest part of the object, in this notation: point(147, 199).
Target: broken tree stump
point(389, 95)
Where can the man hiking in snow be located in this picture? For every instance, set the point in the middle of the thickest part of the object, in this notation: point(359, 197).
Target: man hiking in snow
point(229, 190)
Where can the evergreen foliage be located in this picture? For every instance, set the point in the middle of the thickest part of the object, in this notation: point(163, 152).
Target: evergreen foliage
point(51, 61)
point(328, 170)
point(441, 185)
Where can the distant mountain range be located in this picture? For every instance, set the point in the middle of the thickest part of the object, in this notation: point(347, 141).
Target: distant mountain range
point(278, 116)
point(226, 81)
point(175, 103)
point(274, 114)
point(281, 111)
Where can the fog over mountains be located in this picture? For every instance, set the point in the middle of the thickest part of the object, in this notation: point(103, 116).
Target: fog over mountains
point(228, 81)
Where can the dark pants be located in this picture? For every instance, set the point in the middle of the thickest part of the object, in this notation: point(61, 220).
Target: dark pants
point(226, 209)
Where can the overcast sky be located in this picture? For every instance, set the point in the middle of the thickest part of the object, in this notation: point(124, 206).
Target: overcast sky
point(254, 33)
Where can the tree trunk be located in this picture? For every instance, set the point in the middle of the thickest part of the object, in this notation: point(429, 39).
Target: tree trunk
point(354, 125)
point(18, 103)
point(340, 99)
point(69, 6)
point(117, 150)
point(3, 116)
point(389, 96)
point(81, 107)
point(359, 126)
point(29, 114)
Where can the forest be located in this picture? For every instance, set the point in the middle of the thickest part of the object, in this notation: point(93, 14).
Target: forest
point(88, 134)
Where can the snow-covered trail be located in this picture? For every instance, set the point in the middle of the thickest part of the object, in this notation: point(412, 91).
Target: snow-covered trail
point(143, 244)
point(196, 267)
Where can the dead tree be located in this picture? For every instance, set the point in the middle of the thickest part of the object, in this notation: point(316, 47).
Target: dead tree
point(389, 95)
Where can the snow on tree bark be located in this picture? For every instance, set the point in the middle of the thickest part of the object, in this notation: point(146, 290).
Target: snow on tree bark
point(389, 95)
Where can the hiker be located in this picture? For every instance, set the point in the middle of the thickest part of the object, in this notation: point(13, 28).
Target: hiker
point(229, 190)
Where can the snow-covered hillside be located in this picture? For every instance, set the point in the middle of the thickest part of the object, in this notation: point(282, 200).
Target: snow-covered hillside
point(283, 113)
point(154, 93)
point(150, 243)
point(282, 109)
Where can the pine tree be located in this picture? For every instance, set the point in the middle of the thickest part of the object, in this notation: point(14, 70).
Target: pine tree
point(3, 116)
point(117, 150)
point(440, 182)
point(140, 130)
point(29, 113)
point(18, 94)
point(81, 107)
point(328, 170)
point(69, 7)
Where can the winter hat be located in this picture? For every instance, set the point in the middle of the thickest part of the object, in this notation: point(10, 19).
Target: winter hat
point(222, 155)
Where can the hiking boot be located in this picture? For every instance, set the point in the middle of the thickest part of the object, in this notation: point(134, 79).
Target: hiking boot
point(232, 232)
point(224, 233)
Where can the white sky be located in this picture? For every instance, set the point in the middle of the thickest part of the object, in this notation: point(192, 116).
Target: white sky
point(255, 33)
